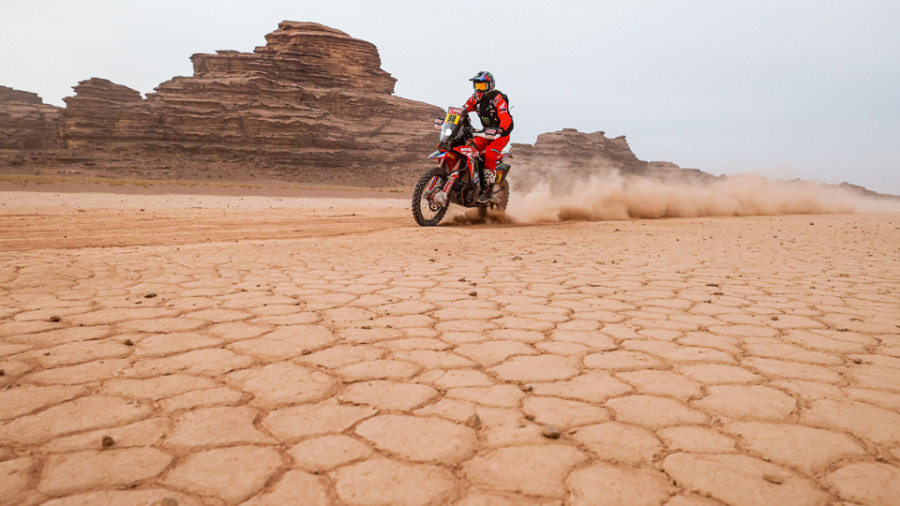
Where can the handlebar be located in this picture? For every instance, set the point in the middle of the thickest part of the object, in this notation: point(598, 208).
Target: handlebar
point(439, 122)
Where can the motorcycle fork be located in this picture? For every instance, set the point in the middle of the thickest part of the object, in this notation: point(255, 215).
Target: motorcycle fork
point(431, 185)
point(430, 190)
point(453, 171)
point(450, 181)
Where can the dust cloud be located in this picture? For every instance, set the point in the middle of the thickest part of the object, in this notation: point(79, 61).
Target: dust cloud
point(617, 197)
point(458, 216)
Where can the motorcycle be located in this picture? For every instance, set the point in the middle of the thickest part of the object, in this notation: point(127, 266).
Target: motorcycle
point(457, 178)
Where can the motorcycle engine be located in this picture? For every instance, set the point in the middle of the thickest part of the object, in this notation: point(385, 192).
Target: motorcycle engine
point(469, 194)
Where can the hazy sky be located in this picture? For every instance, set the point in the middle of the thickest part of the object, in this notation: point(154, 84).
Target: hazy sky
point(786, 88)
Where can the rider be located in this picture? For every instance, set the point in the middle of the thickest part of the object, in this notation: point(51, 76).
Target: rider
point(493, 109)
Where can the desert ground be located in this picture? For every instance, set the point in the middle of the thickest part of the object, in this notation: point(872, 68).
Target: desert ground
point(180, 349)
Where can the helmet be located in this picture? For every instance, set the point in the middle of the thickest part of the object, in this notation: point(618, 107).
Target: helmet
point(483, 82)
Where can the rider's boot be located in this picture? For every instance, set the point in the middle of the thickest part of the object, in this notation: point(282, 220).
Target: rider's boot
point(485, 197)
point(487, 186)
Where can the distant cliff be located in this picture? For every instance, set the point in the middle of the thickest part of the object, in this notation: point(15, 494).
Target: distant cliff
point(312, 105)
point(26, 122)
point(569, 156)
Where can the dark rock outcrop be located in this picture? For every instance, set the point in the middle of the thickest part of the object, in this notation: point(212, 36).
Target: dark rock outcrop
point(26, 122)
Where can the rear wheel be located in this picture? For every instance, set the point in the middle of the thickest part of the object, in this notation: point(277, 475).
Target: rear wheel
point(501, 197)
point(427, 212)
point(498, 201)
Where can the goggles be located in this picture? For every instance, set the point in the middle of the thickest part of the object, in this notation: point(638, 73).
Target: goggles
point(481, 86)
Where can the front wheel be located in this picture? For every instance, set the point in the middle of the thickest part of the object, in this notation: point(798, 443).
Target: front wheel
point(425, 210)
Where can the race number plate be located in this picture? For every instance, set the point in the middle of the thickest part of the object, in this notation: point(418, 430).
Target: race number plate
point(453, 115)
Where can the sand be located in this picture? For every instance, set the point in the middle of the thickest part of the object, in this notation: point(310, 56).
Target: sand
point(210, 349)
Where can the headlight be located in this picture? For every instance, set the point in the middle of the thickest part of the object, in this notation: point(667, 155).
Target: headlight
point(446, 132)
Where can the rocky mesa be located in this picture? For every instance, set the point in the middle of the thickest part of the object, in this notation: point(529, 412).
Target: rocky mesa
point(568, 156)
point(312, 105)
point(26, 122)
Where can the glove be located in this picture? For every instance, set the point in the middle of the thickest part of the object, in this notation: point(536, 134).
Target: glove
point(492, 133)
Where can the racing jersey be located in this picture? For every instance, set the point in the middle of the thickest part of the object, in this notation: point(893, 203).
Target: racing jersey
point(493, 109)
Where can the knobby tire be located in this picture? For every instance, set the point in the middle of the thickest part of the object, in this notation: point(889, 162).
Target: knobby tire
point(417, 199)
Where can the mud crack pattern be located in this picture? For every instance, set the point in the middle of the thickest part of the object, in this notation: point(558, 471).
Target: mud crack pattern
point(691, 361)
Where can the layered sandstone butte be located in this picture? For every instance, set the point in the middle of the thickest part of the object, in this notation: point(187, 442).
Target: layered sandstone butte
point(26, 122)
point(312, 105)
point(105, 113)
point(569, 156)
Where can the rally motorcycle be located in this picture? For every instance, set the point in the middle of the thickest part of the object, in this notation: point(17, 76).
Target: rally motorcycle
point(457, 178)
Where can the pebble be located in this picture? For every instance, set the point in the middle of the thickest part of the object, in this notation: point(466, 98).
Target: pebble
point(474, 421)
point(775, 318)
point(857, 360)
point(527, 388)
point(107, 441)
point(2, 372)
point(550, 431)
point(150, 295)
point(773, 478)
point(529, 417)
point(128, 342)
point(55, 318)
point(473, 293)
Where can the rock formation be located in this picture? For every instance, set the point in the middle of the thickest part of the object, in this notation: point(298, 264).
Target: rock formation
point(26, 122)
point(568, 156)
point(103, 113)
point(312, 105)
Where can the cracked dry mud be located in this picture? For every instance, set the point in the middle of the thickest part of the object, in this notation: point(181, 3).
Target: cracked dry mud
point(340, 356)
